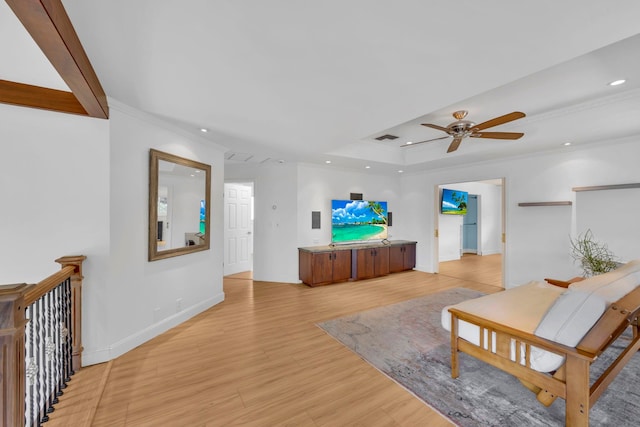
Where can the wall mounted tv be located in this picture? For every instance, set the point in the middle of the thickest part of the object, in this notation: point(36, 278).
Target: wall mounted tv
point(358, 221)
point(453, 202)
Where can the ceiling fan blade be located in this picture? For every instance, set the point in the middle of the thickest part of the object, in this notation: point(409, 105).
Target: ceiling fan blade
point(500, 120)
point(497, 135)
point(420, 142)
point(455, 144)
point(429, 125)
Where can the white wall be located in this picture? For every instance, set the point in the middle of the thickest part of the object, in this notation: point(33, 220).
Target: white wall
point(54, 199)
point(318, 185)
point(73, 185)
point(612, 217)
point(53, 190)
point(537, 239)
point(275, 189)
point(275, 258)
point(145, 298)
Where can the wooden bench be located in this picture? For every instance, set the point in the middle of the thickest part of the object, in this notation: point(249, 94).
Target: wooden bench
point(569, 382)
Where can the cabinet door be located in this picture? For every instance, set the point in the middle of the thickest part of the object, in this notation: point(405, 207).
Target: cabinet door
point(322, 267)
point(381, 261)
point(371, 262)
point(364, 263)
point(341, 265)
point(396, 258)
point(402, 257)
point(305, 262)
point(409, 256)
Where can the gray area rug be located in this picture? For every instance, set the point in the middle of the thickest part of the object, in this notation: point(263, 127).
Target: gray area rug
point(406, 342)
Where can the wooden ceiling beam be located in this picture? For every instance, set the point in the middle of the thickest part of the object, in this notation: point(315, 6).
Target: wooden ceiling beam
point(50, 27)
point(26, 95)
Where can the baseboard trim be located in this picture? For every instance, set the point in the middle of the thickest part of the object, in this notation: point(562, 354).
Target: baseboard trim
point(129, 343)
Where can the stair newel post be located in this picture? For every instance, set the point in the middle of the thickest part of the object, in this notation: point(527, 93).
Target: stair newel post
point(76, 307)
point(12, 363)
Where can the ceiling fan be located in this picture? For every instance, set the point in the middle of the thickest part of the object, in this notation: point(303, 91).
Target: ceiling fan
point(461, 129)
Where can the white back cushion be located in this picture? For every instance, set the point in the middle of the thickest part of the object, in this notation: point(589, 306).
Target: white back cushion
point(572, 315)
point(613, 285)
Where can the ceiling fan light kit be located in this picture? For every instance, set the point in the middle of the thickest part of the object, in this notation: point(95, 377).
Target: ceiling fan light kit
point(461, 129)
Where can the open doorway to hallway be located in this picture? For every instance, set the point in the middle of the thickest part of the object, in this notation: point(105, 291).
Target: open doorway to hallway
point(472, 244)
point(238, 228)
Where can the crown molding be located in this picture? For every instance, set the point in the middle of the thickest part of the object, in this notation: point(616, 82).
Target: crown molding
point(152, 119)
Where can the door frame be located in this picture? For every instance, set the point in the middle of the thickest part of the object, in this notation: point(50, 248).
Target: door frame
point(436, 223)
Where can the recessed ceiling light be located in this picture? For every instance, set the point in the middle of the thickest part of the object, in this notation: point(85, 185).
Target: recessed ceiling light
point(400, 171)
point(567, 144)
point(367, 167)
point(327, 161)
point(204, 130)
point(617, 82)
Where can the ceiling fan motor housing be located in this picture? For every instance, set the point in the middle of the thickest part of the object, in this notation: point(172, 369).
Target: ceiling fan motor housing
point(461, 128)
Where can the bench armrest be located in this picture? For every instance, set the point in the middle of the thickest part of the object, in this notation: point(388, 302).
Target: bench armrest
point(563, 283)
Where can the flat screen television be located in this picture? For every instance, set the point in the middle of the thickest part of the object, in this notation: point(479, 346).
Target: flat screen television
point(453, 202)
point(358, 221)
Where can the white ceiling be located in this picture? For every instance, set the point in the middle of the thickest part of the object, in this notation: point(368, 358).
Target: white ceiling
point(301, 80)
point(22, 59)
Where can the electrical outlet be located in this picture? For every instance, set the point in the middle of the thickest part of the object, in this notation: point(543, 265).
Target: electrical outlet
point(178, 305)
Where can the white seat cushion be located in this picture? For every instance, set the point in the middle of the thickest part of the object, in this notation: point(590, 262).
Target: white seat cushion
point(521, 307)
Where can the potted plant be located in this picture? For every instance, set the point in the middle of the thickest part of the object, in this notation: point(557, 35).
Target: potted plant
point(594, 257)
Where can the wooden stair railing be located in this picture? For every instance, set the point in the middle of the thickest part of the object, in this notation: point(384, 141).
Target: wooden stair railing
point(55, 342)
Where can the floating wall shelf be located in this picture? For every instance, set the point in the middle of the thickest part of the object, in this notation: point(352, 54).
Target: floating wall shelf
point(607, 187)
point(561, 203)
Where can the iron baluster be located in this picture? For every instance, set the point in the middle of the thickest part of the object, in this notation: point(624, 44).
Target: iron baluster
point(50, 352)
point(42, 417)
point(68, 345)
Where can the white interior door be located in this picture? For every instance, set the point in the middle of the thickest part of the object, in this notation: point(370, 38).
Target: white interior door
point(238, 228)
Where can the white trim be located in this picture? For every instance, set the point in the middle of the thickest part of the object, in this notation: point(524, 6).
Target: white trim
point(129, 343)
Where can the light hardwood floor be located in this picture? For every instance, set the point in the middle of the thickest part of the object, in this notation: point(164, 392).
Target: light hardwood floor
point(485, 269)
point(257, 359)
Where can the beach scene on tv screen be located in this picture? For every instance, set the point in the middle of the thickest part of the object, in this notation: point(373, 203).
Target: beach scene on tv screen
point(454, 202)
point(358, 220)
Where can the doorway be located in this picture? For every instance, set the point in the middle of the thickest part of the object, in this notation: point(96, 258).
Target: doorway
point(467, 241)
point(238, 228)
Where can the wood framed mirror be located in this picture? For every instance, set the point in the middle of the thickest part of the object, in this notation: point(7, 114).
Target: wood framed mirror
point(179, 205)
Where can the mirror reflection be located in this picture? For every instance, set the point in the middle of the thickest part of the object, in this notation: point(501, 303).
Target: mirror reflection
point(179, 191)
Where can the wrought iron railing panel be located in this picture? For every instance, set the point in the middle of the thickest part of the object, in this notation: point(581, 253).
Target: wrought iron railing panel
point(48, 345)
